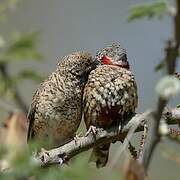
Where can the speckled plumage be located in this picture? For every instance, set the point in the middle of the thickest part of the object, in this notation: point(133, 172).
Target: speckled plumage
point(109, 96)
point(56, 108)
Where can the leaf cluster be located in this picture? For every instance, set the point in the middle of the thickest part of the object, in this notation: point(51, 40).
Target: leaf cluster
point(21, 48)
point(157, 9)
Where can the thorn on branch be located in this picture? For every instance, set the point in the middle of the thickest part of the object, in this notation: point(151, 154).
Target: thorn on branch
point(174, 134)
point(132, 150)
point(142, 143)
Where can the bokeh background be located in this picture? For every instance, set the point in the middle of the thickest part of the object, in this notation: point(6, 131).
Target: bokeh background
point(74, 25)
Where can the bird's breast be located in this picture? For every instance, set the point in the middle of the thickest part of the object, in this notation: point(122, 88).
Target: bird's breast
point(109, 94)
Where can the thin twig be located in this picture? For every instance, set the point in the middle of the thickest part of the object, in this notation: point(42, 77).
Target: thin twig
point(174, 135)
point(124, 146)
point(19, 100)
point(153, 136)
point(142, 143)
point(132, 150)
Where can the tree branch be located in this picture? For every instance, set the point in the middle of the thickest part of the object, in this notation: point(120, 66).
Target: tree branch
point(69, 150)
point(171, 55)
point(17, 97)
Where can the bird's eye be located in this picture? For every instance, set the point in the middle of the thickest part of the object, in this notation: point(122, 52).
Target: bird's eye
point(99, 56)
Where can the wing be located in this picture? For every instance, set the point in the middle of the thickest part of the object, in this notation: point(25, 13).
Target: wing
point(50, 95)
point(31, 115)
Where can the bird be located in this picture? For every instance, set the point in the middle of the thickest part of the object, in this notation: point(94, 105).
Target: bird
point(56, 109)
point(110, 96)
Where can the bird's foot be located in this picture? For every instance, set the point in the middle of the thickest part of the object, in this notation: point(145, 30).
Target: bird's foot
point(174, 133)
point(92, 129)
point(77, 137)
point(63, 159)
point(44, 155)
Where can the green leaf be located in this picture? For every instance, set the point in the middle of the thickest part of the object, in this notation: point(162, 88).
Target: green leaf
point(178, 106)
point(157, 9)
point(3, 149)
point(22, 47)
point(160, 66)
point(23, 41)
point(2, 41)
point(177, 75)
point(3, 85)
point(30, 74)
point(12, 3)
point(5, 6)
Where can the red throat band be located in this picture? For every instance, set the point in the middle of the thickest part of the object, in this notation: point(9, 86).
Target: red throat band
point(106, 60)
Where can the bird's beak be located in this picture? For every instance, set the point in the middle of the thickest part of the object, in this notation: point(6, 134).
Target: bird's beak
point(123, 57)
point(122, 61)
point(92, 66)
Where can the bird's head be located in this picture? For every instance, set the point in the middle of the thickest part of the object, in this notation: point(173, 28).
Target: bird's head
point(79, 64)
point(113, 55)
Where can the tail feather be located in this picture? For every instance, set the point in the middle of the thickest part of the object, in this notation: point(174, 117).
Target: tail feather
point(100, 155)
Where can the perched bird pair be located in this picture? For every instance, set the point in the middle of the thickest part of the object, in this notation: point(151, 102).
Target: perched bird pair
point(102, 88)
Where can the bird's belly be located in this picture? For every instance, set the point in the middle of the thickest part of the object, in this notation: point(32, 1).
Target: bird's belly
point(57, 126)
point(111, 115)
point(110, 102)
